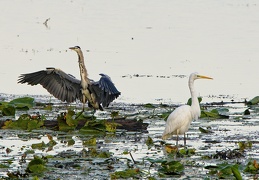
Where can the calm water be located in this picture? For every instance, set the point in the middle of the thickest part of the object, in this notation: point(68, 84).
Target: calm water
point(146, 37)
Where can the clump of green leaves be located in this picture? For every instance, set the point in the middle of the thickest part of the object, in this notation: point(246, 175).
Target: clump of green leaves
point(149, 142)
point(214, 113)
point(66, 122)
point(25, 122)
point(24, 103)
point(111, 126)
point(252, 167)
point(171, 168)
point(253, 101)
point(36, 166)
point(225, 171)
point(206, 131)
point(149, 105)
point(244, 145)
point(43, 145)
point(126, 174)
point(3, 166)
point(94, 127)
point(92, 152)
point(89, 142)
point(8, 108)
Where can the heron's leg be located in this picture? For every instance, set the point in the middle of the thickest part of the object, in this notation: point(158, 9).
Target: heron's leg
point(93, 114)
point(83, 107)
point(79, 114)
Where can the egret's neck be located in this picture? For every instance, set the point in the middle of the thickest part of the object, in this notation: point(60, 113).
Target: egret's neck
point(83, 72)
point(195, 102)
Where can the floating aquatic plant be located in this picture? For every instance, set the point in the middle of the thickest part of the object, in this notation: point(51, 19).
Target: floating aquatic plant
point(171, 168)
point(25, 122)
point(126, 174)
point(252, 167)
point(36, 166)
point(225, 171)
point(253, 101)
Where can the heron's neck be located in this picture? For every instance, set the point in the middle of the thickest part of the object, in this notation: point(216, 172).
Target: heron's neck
point(83, 71)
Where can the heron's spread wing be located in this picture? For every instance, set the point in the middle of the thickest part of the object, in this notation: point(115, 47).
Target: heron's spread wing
point(63, 86)
point(105, 90)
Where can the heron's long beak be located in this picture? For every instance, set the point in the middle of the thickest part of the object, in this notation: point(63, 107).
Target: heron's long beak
point(72, 48)
point(204, 77)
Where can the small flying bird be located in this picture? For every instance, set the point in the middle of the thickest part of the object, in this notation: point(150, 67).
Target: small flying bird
point(66, 87)
point(178, 122)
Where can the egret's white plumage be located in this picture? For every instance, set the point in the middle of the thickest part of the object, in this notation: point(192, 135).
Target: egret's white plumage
point(178, 122)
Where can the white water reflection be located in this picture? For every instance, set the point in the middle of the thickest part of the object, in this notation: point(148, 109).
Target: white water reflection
point(164, 38)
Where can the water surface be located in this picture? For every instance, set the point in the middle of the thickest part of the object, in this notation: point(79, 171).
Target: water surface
point(123, 38)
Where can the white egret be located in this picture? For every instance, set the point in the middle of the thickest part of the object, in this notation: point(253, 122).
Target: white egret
point(178, 122)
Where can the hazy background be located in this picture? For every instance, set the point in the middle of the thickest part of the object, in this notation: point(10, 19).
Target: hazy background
point(146, 37)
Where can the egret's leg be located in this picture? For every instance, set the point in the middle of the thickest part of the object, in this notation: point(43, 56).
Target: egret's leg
point(184, 138)
point(177, 140)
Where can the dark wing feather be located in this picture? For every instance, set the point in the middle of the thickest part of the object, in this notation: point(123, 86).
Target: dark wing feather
point(105, 90)
point(63, 86)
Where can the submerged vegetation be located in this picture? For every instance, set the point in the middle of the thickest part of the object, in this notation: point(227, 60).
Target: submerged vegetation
point(123, 142)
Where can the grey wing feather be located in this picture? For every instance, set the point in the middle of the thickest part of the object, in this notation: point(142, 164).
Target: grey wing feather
point(63, 86)
point(105, 90)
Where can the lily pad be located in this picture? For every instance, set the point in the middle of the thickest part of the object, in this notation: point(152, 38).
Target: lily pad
point(23, 103)
point(24, 123)
point(126, 174)
point(252, 167)
point(225, 171)
point(253, 101)
point(37, 166)
point(8, 111)
point(214, 114)
point(171, 168)
point(149, 142)
point(94, 127)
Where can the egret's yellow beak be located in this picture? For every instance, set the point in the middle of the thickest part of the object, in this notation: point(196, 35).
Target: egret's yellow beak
point(204, 77)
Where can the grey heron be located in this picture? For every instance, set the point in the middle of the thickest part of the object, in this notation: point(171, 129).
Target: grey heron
point(66, 87)
point(178, 122)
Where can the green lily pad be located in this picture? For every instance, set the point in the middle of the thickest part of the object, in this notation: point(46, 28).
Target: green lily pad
point(252, 167)
point(37, 166)
point(253, 101)
point(149, 142)
point(23, 103)
point(8, 111)
point(214, 114)
point(149, 105)
point(126, 174)
point(171, 168)
point(40, 146)
point(225, 171)
point(94, 127)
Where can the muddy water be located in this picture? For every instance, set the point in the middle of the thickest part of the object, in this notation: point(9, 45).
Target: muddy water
point(69, 162)
point(219, 39)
